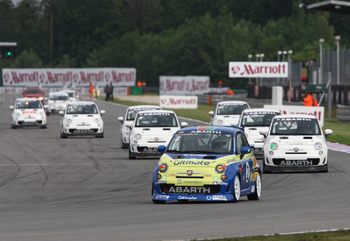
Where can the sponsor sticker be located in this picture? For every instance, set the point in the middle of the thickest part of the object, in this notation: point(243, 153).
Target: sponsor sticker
point(296, 163)
point(162, 197)
point(190, 190)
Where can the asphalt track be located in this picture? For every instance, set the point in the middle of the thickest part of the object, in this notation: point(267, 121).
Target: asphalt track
point(86, 189)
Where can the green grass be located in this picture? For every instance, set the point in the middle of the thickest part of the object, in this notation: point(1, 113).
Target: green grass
point(341, 235)
point(340, 131)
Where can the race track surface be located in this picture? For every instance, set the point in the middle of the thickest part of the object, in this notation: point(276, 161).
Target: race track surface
point(87, 189)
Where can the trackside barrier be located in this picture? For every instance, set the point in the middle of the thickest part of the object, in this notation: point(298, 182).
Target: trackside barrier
point(343, 114)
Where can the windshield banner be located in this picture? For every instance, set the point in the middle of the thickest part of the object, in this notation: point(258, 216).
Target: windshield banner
point(69, 77)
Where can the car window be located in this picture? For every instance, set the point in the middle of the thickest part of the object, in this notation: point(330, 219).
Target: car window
point(81, 109)
point(259, 118)
point(215, 142)
point(36, 104)
point(231, 109)
point(241, 141)
point(33, 91)
point(133, 111)
point(154, 119)
point(295, 126)
point(58, 97)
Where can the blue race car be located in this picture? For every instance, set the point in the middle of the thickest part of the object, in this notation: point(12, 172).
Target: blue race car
point(207, 163)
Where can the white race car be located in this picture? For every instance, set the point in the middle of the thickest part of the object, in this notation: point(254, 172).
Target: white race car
point(253, 121)
point(129, 119)
point(28, 112)
point(150, 130)
point(82, 118)
point(295, 143)
point(227, 113)
point(57, 101)
point(72, 95)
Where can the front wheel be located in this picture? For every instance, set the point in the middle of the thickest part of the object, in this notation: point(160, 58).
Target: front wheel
point(257, 193)
point(130, 155)
point(13, 126)
point(62, 135)
point(236, 189)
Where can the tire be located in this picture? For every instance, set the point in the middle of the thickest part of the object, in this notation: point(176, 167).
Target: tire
point(326, 168)
point(62, 135)
point(123, 145)
point(257, 193)
point(130, 155)
point(100, 136)
point(264, 166)
point(156, 201)
point(13, 126)
point(43, 127)
point(236, 189)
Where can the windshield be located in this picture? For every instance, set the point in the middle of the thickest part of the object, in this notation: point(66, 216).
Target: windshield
point(154, 119)
point(231, 109)
point(295, 126)
point(259, 118)
point(33, 92)
point(133, 111)
point(32, 104)
point(82, 109)
point(210, 142)
point(59, 97)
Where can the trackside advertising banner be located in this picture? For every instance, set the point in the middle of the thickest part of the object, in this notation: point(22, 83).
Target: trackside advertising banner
point(258, 69)
point(183, 85)
point(294, 109)
point(178, 102)
point(66, 77)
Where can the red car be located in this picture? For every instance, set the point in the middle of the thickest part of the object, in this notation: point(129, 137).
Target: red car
point(35, 93)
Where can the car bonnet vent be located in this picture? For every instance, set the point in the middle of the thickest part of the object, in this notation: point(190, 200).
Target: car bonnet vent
point(307, 137)
point(166, 129)
point(283, 137)
point(90, 115)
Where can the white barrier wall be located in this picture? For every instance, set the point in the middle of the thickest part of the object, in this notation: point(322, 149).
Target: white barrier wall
point(178, 102)
point(294, 109)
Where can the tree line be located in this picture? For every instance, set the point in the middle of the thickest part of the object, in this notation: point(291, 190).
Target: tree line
point(164, 37)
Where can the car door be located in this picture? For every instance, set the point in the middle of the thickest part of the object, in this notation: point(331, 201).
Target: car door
point(246, 161)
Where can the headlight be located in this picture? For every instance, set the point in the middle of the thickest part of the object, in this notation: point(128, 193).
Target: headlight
point(97, 121)
point(68, 121)
point(18, 115)
point(137, 136)
point(220, 168)
point(163, 167)
point(318, 146)
point(274, 146)
point(220, 122)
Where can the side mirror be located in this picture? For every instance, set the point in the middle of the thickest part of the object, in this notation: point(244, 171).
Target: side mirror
point(61, 112)
point(121, 119)
point(102, 112)
point(161, 149)
point(245, 150)
point(328, 132)
point(264, 133)
point(11, 107)
point(211, 113)
point(184, 124)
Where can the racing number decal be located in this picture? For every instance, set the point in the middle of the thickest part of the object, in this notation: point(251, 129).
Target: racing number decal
point(247, 171)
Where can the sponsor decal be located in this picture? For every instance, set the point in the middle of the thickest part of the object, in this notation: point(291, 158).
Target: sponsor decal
point(192, 182)
point(83, 131)
point(293, 119)
point(160, 182)
point(28, 112)
point(296, 163)
point(252, 189)
point(189, 172)
point(196, 190)
point(187, 198)
point(220, 183)
point(216, 198)
point(150, 150)
point(162, 197)
point(183, 162)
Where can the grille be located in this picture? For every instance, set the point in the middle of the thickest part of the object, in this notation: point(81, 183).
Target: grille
point(206, 189)
point(83, 131)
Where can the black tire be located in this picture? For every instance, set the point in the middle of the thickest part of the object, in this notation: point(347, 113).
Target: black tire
point(257, 193)
point(236, 191)
point(124, 145)
point(100, 136)
point(264, 166)
point(62, 135)
point(43, 127)
point(326, 168)
point(130, 155)
point(13, 126)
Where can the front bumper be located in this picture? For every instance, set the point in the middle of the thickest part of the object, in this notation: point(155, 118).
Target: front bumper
point(83, 131)
point(28, 123)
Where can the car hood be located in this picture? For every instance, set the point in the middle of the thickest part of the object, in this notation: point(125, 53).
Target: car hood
point(28, 113)
point(83, 118)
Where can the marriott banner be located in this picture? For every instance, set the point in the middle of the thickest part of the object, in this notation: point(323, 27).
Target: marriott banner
point(258, 69)
point(183, 85)
point(65, 77)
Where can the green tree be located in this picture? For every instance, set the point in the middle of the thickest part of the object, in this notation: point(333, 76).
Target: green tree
point(27, 59)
